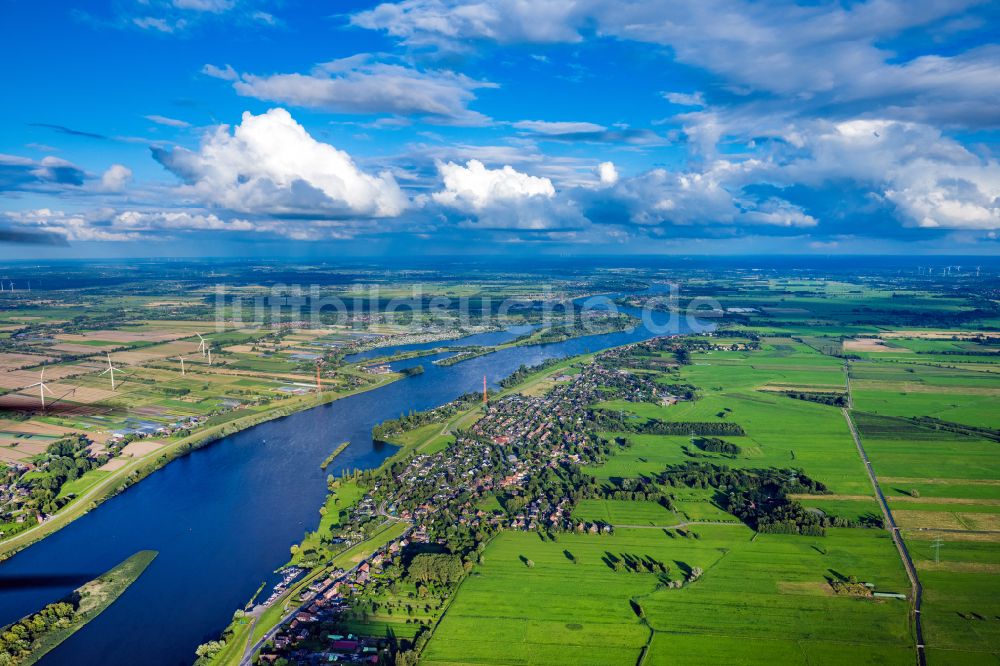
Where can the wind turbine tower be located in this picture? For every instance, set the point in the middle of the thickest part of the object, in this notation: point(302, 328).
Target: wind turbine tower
point(111, 369)
point(42, 388)
point(201, 345)
point(183, 371)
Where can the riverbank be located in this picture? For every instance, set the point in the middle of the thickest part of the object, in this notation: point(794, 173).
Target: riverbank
point(241, 640)
point(126, 476)
point(88, 601)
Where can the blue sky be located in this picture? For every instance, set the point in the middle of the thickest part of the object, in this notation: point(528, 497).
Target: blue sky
point(228, 127)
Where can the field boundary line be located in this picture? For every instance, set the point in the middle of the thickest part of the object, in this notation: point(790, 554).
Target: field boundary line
point(916, 590)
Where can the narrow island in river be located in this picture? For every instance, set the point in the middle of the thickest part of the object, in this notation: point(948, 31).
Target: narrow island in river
point(336, 452)
point(27, 641)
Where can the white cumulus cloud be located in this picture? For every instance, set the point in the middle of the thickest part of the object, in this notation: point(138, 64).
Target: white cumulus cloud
point(477, 187)
point(116, 178)
point(608, 173)
point(269, 163)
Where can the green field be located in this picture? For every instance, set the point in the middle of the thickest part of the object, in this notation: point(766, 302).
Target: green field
point(771, 590)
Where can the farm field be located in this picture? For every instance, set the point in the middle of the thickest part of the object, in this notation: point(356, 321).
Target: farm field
point(771, 590)
point(944, 489)
point(762, 597)
point(925, 407)
point(780, 431)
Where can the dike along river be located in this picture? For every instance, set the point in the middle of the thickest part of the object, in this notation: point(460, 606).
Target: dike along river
point(223, 518)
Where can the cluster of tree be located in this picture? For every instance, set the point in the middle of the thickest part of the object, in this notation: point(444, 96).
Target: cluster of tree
point(775, 515)
point(175, 391)
point(741, 333)
point(758, 497)
point(522, 373)
point(635, 563)
point(440, 568)
point(973, 431)
point(722, 477)
point(413, 371)
point(682, 391)
point(835, 399)
point(623, 488)
point(851, 587)
point(716, 445)
point(16, 640)
point(408, 653)
point(606, 420)
point(405, 422)
point(66, 460)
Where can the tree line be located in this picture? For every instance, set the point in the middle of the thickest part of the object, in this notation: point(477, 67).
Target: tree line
point(16, 640)
point(605, 420)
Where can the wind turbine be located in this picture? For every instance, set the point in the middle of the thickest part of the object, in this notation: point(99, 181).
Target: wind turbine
point(201, 345)
point(209, 355)
point(111, 369)
point(42, 388)
point(183, 371)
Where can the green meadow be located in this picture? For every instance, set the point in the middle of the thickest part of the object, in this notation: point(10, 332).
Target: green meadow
point(761, 598)
point(570, 607)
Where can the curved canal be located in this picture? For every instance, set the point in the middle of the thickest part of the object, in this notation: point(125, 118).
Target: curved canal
point(224, 517)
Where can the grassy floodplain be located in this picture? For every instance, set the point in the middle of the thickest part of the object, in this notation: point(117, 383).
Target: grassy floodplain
point(768, 593)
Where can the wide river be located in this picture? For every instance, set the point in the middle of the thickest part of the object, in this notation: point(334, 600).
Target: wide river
point(223, 518)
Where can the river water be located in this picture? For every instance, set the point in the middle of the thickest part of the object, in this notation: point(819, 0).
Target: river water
point(223, 518)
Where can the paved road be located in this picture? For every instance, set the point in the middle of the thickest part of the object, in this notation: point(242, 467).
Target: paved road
point(904, 554)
